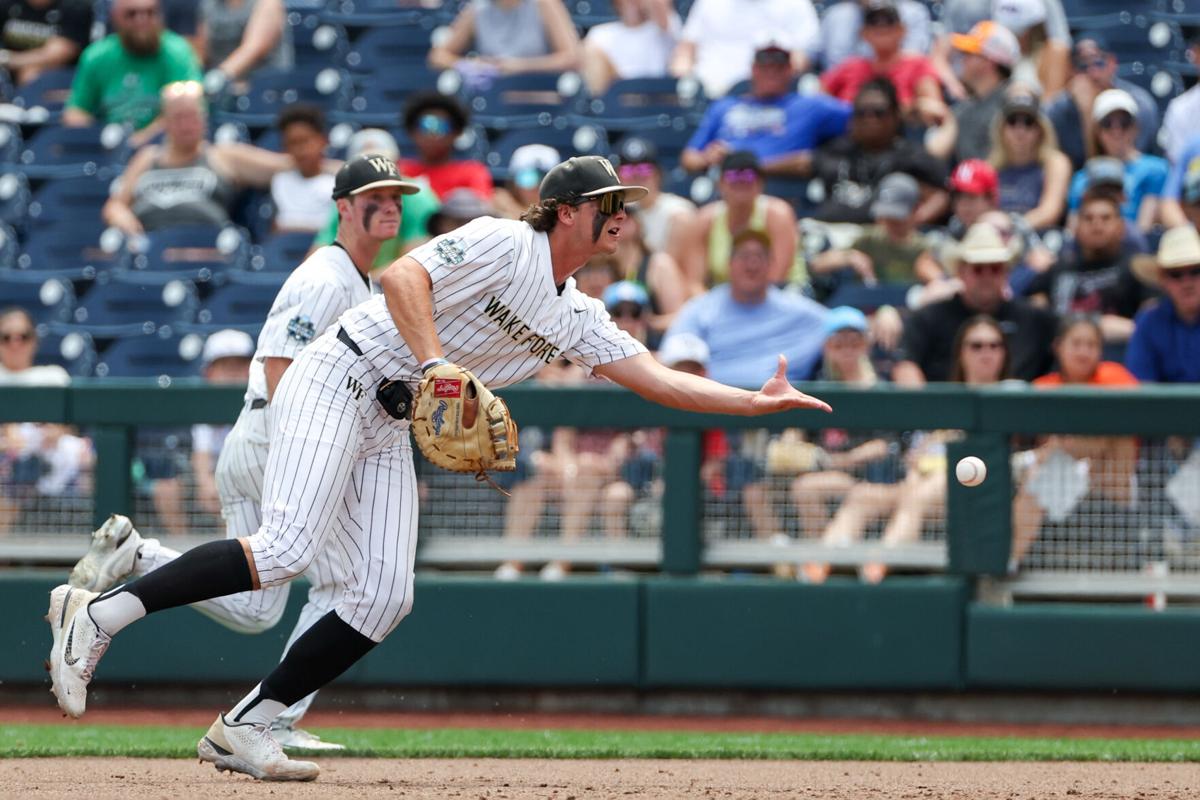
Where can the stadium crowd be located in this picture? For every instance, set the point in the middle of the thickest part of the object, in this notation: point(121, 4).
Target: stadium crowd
point(974, 191)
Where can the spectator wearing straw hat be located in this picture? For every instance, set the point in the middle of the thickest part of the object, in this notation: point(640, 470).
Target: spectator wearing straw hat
point(981, 266)
point(1165, 346)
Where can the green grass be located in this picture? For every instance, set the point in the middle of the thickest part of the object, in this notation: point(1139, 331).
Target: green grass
point(168, 742)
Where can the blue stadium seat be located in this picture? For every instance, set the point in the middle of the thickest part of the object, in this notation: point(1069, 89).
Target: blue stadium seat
point(588, 139)
point(197, 253)
point(281, 253)
point(153, 354)
point(9, 248)
point(57, 152)
point(10, 144)
point(46, 299)
point(235, 305)
point(1136, 40)
point(249, 278)
point(269, 92)
point(68, 201)
point(372, 13)
point(391, 51)
point(14, 200)
point(74, 352)
point(587, 13)
point(793, 190)
point(639, 103)
point(116, 306)
point(317, 44)
point(1163, 85)
point(43, 98)
point(525, 101)
point(76, 250)
point(669, 139)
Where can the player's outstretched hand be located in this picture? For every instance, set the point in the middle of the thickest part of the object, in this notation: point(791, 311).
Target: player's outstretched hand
point(779, 395)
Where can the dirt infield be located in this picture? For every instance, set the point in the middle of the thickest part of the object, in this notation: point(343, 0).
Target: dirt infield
point(518, 779)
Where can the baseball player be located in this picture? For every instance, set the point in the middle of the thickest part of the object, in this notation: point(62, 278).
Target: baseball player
point(495, 297)
point(368, 192)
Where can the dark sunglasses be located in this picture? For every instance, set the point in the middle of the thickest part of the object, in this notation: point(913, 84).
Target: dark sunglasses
point(1021, 121)
point(611, 203)
point(872, 112)
point(1099, 62)
point(1121, 121)
point(9, 338)
point(626, 311)
point(986, 269)
point(1180, 274)
point(773, 58)
point(977, 346)
point(877, 20)
point(134, 13)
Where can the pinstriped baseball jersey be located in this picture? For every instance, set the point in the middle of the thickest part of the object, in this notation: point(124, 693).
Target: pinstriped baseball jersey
point(496, 308)
point(310, 300)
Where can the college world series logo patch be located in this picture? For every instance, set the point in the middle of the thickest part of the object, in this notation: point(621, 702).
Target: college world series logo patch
point(451, 252)
point(301, 329)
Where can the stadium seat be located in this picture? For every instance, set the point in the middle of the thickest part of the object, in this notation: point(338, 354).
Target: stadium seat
point(281, 252)
point(1162, 84)
point(568, 141)
point(43, 98)
point(373, 13)
point(46, 299)
point(189, 252)
point(639, 103)
point(269, 92)
point(74, 352)
point(9, 247)
point(525, 101)
point(69, 200)
point(157, 353)
point(587, 13)
point(14, 200)
point(795, 191)
point(115, 306)
point(76, 250)
point(57, 152)
point(10, 144)
point(317, 44)
point(669, 140)
point(392, 51)
point(234, 305)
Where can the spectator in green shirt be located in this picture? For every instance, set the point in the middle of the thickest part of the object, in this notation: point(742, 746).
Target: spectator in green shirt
point(120, 76)
point(418, 208)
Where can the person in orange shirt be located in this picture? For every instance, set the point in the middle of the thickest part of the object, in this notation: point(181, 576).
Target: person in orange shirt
point(1111, 460)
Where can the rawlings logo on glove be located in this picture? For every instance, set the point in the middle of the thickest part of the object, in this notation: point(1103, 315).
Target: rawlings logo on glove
point(461, 426)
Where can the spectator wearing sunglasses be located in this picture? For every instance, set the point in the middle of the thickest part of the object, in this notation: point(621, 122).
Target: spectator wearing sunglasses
point(986, 58)
point(1071, 112)
point(742, 207)
point(1094, 275)
point(779, 126)
point(981, 266)
point(842, 29)
point(38, 35)
point(1033, 173)
point(664, 216)
point(851, 166)
point(917, 84)
point(1165, 346)
point(526, 167)
point(433, 121)
point(119, 77)
point(18, 351)
point(1115, 134)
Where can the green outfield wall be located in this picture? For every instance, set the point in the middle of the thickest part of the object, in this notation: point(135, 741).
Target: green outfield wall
point(677, 628)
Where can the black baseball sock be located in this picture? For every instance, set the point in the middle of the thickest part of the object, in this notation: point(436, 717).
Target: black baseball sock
point(214, 569)
point(323, 652)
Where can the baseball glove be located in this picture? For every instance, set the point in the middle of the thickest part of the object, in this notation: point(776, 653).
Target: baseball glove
point(461, 426)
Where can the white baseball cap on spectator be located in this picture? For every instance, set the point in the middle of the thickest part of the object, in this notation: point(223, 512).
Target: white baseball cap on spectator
point(372, 140)
point(681, 347)
point(1019, 15)
point(1112, 100)
point(227, 343)
point(529, 164)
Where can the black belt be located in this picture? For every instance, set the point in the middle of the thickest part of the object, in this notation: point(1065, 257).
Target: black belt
point(345, 339)
point(257, 403)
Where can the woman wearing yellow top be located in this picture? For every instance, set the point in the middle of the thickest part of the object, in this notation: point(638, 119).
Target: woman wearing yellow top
point(742, 206)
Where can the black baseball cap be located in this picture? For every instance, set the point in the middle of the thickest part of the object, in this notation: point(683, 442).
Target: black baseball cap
point(370, 171)
point(741, 159)
point(586, 176)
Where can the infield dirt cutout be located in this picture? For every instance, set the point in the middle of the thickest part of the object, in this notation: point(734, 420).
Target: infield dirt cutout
point(517, 779)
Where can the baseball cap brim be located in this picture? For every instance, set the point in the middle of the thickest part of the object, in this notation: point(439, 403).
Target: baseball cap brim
point(966, 43)
point(405, 187)
point(632, 193)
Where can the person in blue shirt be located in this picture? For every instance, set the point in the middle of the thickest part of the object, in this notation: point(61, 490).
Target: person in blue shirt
point(747, 323)
point(779, 126)
point(1165, 347)
point(1184, 169)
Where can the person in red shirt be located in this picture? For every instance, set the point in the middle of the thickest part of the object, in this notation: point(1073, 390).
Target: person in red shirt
point(916, 80)
point(1111, 459)
point(433, 121)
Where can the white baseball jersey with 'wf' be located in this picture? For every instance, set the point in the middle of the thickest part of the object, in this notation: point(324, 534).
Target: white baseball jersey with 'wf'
point(312, 298)
point(339, 475)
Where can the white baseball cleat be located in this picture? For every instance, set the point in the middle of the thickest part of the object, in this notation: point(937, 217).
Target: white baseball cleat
point(252, 750)
point(78, 646)
point(300, 739)
point(110, 558)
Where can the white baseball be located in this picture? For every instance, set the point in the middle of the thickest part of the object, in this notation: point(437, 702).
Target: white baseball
point(970, 471)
